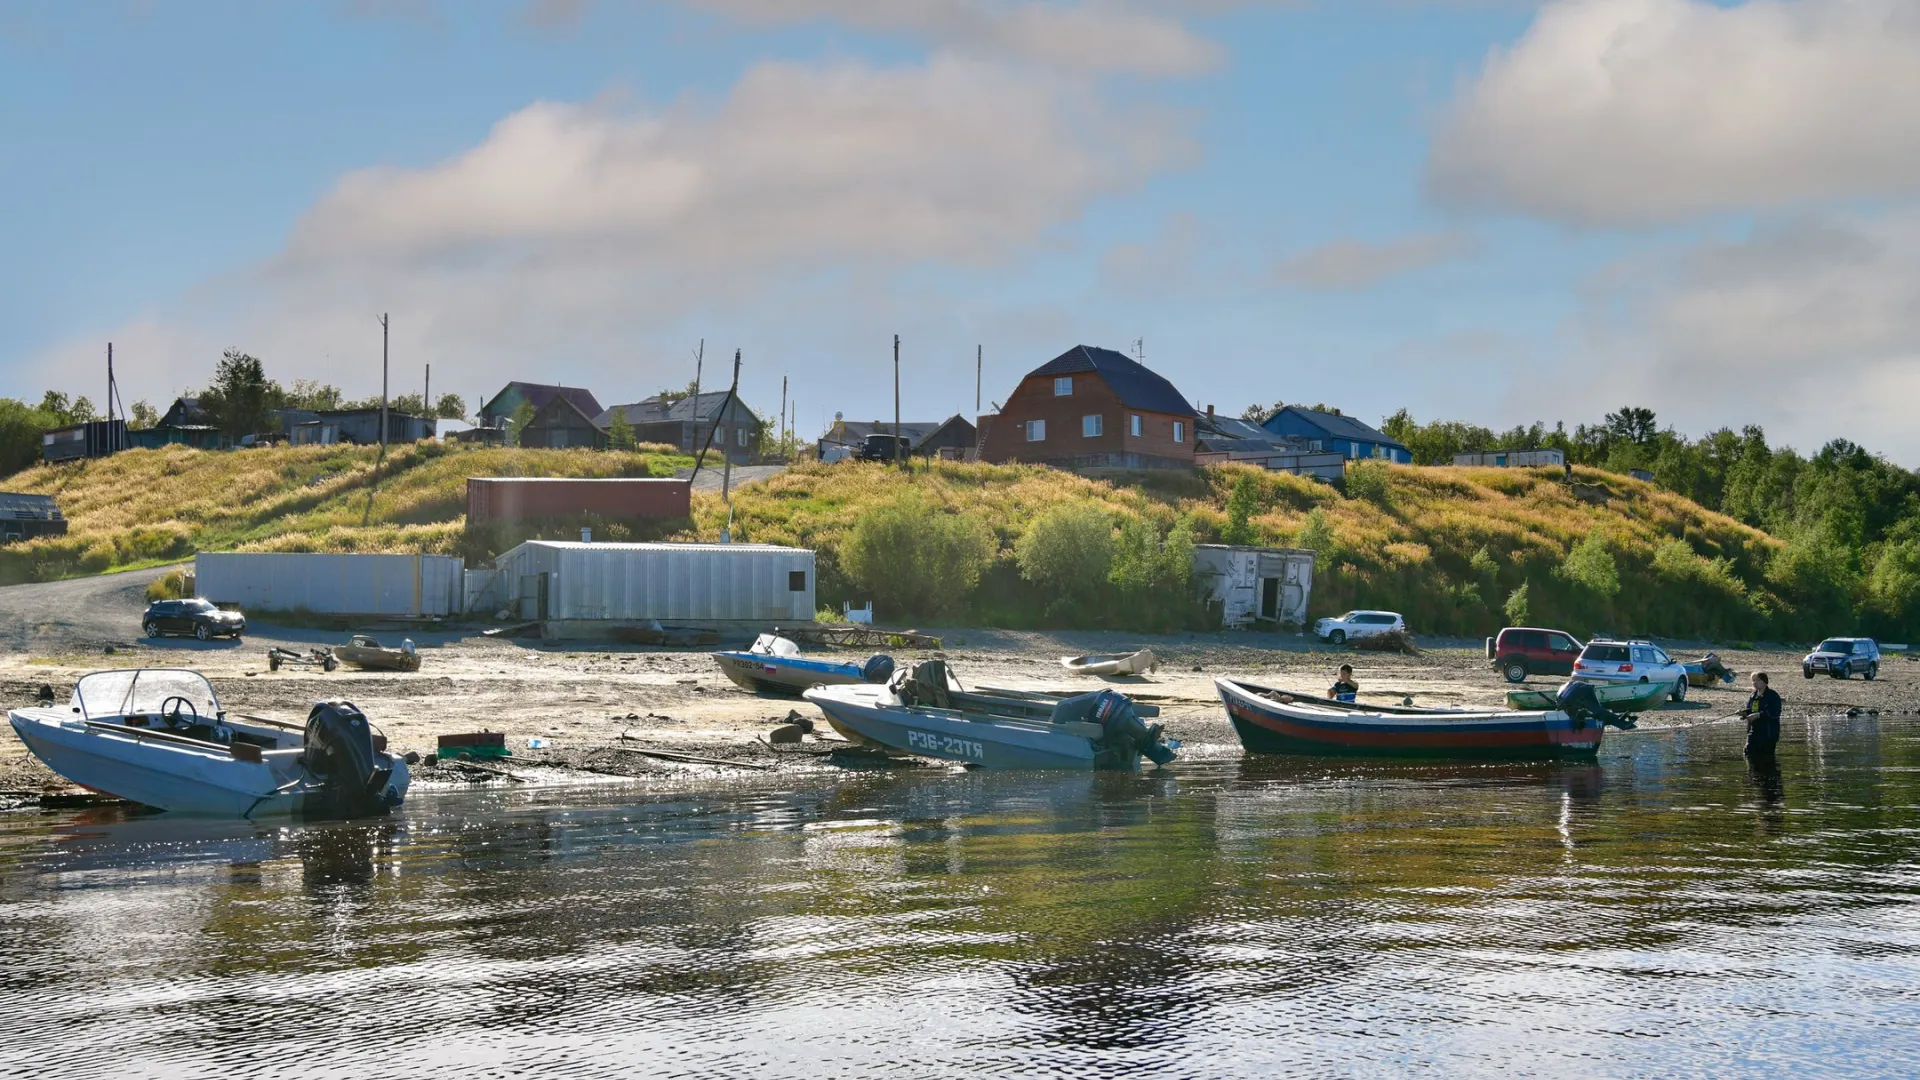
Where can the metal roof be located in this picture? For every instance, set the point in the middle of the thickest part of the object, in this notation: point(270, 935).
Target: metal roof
point(18, 506)
point(538, 394)
point(575, 544)
point(1137, 386)
point(1337, 426)
point(653, 410)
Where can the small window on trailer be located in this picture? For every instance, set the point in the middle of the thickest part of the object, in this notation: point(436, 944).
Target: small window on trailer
point(796, 581)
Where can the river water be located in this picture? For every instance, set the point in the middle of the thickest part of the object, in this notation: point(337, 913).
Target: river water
point(1666, 912)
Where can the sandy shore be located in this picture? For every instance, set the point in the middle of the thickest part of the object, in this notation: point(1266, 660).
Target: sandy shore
point(582, 699)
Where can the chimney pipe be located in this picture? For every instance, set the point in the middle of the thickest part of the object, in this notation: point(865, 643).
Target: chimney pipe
point(1209, 414)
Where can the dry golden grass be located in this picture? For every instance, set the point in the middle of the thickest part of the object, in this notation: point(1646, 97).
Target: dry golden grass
point(143, 506)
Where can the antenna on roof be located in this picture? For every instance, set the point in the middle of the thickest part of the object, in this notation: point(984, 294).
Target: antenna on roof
point(1140, 349)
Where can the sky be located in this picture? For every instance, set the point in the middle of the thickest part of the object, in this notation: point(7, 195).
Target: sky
point(1496, 211)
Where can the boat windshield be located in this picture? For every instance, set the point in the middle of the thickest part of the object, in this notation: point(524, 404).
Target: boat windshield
point(122, 693)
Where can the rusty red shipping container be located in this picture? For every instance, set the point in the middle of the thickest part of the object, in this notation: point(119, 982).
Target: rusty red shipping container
point(513, 498)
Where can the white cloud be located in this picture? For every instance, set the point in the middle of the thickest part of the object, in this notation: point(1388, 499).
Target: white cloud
point(1612, 112)
point(1811, 327)
point(1357, 264)
point(574, 232)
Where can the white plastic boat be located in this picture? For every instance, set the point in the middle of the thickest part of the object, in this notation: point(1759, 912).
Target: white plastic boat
point(1136, 663)
point(158, 736)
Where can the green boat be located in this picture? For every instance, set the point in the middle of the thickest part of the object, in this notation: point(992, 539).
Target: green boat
point(1623, 698)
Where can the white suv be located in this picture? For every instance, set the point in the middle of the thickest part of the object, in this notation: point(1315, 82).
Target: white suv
point(1630, 662)
point(1359, 624)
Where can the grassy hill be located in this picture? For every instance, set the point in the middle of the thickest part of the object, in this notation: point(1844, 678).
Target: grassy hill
point(148, 506)
point(1460, 551)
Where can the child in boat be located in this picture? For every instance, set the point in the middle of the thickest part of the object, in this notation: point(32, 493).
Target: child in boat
point(1344, 688)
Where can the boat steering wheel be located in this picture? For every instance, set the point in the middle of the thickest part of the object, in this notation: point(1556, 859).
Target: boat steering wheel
point(172, 716)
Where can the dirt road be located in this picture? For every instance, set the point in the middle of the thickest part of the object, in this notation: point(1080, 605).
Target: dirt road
point(580, 698)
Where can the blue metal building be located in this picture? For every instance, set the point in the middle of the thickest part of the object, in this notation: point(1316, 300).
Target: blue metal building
point(1338, 434)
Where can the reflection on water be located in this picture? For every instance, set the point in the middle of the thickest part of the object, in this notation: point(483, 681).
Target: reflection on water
point(1669, 911)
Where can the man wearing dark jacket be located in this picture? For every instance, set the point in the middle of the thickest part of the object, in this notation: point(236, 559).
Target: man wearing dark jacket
point(1763, 718)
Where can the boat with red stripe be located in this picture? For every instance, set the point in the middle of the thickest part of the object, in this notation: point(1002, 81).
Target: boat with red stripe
point(1270, 721)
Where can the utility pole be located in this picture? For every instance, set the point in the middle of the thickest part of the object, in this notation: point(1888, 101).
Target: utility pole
point(783, 414)
point(426, 397)
point(726, 470)
point(897, 456)
point(979, 360)
point(383, 386)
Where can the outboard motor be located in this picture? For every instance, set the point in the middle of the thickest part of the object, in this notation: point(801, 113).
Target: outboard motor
point(340, 752)
point(878, 668)
point(1124, 736)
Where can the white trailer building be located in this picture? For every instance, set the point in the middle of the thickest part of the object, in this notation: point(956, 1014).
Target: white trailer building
point(1513, 459)
point(402, 586)
point(1254, 584)
point(711, 584)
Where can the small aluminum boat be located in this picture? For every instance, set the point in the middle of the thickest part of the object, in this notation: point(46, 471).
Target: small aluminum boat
point(365, 652)
point(158, 737)
point(774, 666)
point(1134, 663)
point(924, 713)
point(1627, 699)
point(1317, 726)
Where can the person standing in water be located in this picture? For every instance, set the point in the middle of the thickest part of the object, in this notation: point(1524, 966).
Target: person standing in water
point(1762, 714)
point(1344, 688)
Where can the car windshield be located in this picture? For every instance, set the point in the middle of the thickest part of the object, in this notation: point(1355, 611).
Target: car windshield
point(120, 693)
point(196, 605)
point(1835, 645)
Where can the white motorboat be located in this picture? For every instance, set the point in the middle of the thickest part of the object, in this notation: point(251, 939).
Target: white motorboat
point(1134, 663)
point(158, 736)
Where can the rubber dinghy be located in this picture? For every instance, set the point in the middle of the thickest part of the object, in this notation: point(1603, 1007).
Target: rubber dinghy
point(158, 736)
point(1134, 663)
point(1317, 726)
point(774, 666)
point(924, 712)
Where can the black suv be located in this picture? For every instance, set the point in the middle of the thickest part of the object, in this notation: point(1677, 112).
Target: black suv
point(197, 617)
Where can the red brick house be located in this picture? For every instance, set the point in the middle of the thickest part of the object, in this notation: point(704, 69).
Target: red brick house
point(1092, 408)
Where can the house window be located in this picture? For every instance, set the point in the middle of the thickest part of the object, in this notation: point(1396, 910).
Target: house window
point(1133, 425)
point(796, 581)
point(1091, 427)
point(1179, 431)
point(1063, 386)
point(1036, 431)
point(740, 436)
point(720, 436)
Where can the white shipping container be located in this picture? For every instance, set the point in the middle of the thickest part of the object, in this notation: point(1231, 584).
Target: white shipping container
point(389, 585)
point(1255, 584)
point(559, 580)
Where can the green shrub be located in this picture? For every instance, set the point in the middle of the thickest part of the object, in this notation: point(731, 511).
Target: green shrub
point(1242, 503)
point(1068, 553)
point(1316, 534)
point(1367, 480)
point(171, 585)
point(916, 560)
point(1591, 566)
point(1154, 574)
point(1517, 611)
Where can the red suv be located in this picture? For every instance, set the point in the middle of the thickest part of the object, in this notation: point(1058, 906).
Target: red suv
point(1521, 651)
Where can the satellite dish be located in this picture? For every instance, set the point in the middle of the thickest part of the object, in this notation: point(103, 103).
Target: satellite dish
point(837, 417)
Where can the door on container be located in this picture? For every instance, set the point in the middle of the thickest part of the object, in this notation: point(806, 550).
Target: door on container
point(1270, 598)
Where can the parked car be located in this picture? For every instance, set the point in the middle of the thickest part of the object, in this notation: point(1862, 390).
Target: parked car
point(884, 448)
point(197, 617)
point(1520, 651)
point(1840, 657)
point(1359, 624)
point(1630, 662)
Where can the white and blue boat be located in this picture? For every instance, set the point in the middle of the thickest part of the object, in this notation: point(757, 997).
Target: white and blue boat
point(925, 713)
point(774, 666)
point(159, 737)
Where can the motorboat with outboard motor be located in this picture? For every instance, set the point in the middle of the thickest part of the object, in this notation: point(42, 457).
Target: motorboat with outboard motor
point(924, 712)
point(774, 666)
point(366, 653)
point(159, 737)
point(1270, 721)
point(1105, 665)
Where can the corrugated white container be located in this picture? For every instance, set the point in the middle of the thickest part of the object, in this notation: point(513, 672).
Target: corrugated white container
point(549, 579)
point(389, 585)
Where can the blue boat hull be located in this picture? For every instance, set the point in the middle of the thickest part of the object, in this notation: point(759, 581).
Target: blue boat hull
point(868, 714)
point(786, 676)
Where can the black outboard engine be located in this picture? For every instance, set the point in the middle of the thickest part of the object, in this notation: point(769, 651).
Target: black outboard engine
point(1124, 735)
point(878, 668)
point(340, 752)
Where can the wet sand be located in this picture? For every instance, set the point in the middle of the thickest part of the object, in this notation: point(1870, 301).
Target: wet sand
point(582, 699)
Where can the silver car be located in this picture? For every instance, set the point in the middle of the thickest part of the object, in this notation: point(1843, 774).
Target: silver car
point(1631, 662)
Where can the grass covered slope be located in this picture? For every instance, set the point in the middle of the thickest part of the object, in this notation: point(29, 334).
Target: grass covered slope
point(1459, 551)
point(143, 506)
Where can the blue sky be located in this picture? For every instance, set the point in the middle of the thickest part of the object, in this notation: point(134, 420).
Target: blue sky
point(1491, 211)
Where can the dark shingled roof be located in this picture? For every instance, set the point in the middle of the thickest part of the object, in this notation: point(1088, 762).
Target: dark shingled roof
point(1137, 387)
point(538, 394)
point(654, 410)
point(1338, 427)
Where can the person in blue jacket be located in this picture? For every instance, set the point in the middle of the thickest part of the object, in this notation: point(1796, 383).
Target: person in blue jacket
point(1762, 714)
point(1344, 688)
